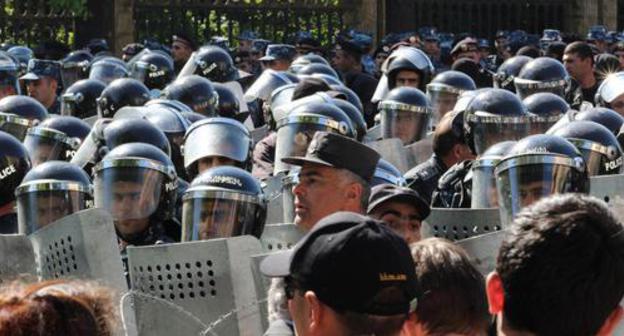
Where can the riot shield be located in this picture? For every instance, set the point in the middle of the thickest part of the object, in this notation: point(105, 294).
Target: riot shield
point(609, 188)
point(420, 151)
point(457, 224)
point(210, 279)
point(373, 134)
point(262, 284)
point(259, 133)
point(483, 249)
point(18, 258)
point(280, 237)
point(91, 120)
point(147, 315)
point(392, 150)
point(272, 188)
point(82, 245)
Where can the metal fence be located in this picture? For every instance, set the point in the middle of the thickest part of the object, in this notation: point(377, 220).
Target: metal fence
point(33, 21)
point(275, 20)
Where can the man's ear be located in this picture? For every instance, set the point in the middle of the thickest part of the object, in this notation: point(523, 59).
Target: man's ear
point(495, 293)
point(316, 311)
point(411, 326)
point(614, 319)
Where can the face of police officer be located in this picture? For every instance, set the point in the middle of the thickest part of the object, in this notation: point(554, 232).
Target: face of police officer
point(276, 65)
point(379, 59)
point(531, 193)
point(180, 52)
point(217, 219)
point(131, 201)
point(244, 45)
point(406, 126)
point(407, 78)
point(206, 163)
point(342, 61)
point(431, 48)
point(576, 66)
point(401, 217)
point(7, 90)
point(51, 208)
point(43, 90)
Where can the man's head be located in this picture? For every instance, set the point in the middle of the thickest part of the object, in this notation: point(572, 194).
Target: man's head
point(402, 209)
point(578, 60)
point(448, 139)
point(182, 46)
point(466, 48)
point(278, 57)
point(350, 275)
point(455, 301)
point(407, 77)
point(335, 176)
point(346, 57)
point(560, 270)
point(43, 80)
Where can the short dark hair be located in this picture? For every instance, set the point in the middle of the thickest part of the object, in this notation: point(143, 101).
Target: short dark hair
point(448, 133)
point(454, 299)
point(581, 49)
point(562, 266)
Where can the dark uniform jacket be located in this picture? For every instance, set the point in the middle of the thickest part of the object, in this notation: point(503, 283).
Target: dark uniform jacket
point(364, 86)
point(55, 108)
point(264, 157)
point(424, 178)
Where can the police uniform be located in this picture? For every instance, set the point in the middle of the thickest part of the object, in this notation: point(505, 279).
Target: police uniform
point(424, 178)
point(46, 68)
point(264, 157)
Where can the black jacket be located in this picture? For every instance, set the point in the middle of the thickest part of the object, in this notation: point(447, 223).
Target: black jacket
point(424, 178)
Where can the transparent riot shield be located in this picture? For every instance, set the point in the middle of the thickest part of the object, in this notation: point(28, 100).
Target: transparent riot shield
point(457, 224)
point(210, 279)
point(609, 188)
point(18, 257)
point(483, 249)
point(373, 134)
point(392, 150)
point(420, 151)
point(272, 188)
point(259, 133)
point(82, 245)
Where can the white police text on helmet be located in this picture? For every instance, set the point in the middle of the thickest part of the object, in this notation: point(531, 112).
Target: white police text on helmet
point(6, 172)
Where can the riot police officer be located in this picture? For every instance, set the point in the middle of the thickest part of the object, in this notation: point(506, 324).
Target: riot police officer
point(137, 184)
point(107, 69)
point(55, 139)
point(408, 66)
point(79, 100)
point(444, 90)
point(304, 60)
point(479, 186)
point(216, 142)
point(213, 63)
point(8, 78)
point(228, 105)
point(119, 93)
point(223, 202)
point(405, 114)
point(507, 72)
point(542, 74)
point(75, 67)
point(43, 82)
point(18, 113)
point(546, 109)
point(49, 192)
point(194, 91)
point(538, 166)
point(599, 147)
point(154, 69)
point(14, 165)
point(22, 55)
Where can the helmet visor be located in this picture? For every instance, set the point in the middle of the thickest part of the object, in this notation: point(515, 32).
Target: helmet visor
point(489, 131)
point(268, 81)
point(525, 88)
point(36, 209)
point(107, 72)
point(15, 125)
point(442, 102)
point(600, 160)
point(216, 139)
point(42, 147)
point(71, 75)
point(408, 123)
point(218, 214)
point(484, 194)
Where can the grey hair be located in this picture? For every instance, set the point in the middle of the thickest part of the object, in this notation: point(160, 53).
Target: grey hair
point(351, 177)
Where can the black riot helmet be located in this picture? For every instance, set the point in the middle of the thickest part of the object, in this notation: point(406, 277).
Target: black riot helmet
point(304, 60)
point(408, 58)
point(228, 105)
point(213, 63)
point(600, 148)
point(18, 113)
point(123, 131)
point(355, 115)
point(9, 73)
point(604, 116)
point(79, 100)
point(507, 72)
point(22, 55)
point(546, 109)
point(352, 97)
point(386, 172)
point(223, 202)
point(14, 164)
point(444, 90)
point(75, 66)
point(121, 92)
point(215, 141)
point(405, 114)
point(49, 192)
point(268, 81)
point(193, 117)
point(492, 116)
point(538, 166)
point(543, 74)
point(195, 91)
point(55, 139)
point(295, 130)
point(154, 69)
point(107, 69)
point(137, 184)
point(318, 68)
point(483, 192)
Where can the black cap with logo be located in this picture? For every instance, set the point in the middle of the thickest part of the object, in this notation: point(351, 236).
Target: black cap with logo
point(389, 192)
point(352, 263)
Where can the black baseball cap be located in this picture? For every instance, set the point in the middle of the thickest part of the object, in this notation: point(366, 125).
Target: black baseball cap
point(338, 151)
point(352, 263)
point(38, 68)
point(390, 192)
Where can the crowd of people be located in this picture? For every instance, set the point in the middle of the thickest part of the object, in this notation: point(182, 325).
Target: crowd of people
point(181, 141)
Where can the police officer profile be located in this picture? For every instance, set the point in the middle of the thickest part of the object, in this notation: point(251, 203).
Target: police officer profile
point(223, 202)
point(8, 78)
point(600, 148)
point(278, 57)
point(137, 184)
point(79, 100)
point(216, 142)
point(194, 91)
point(536, 167)
point(444, 90)
point(119, 93)
point(408, 66)
point(18, 113)
point(14, 165)
point(182, 46)
point(43, 82)
point(405, 114)
point(401, 208)
point(49, 192)
point(449, 148)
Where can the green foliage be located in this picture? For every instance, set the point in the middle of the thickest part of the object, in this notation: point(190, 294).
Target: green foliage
point(78, 7)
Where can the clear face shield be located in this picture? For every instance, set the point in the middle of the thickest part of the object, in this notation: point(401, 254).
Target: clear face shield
point(40, 203)
point(541, 124)
point(88, 152)
point(9, 75)
point(130, 189)
point(226, 139)
point(264, 86)
point(288, 199)
point(209, 213)
point(16, 125)
point(73, 72)
point(483, 192)
point(443, 99)
point(406, 122)
point(599, 159)
point(106, 72)
point(45, 144)
point(525, 87)
point(69, 104)
point(523, 180)
point(294, 134)
point(491, 129)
